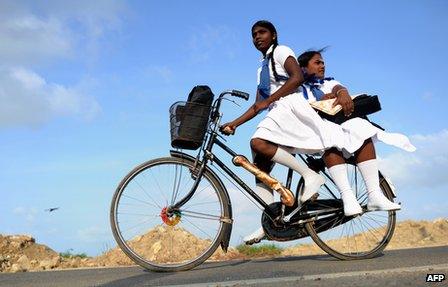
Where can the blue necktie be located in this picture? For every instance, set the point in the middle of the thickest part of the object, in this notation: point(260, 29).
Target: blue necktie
point(314, 84)
point(265, 82)
point(317, 93)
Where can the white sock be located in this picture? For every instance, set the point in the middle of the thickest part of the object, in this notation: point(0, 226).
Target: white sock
point(264, 192)
point(267, 196)
point(339, 175)
point(369, 172)
point(377, 200)
point(283, 157)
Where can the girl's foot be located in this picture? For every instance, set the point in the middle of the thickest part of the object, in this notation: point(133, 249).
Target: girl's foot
point(378, 201)
point(312, 185)
point(351, 205)
point(255, 237)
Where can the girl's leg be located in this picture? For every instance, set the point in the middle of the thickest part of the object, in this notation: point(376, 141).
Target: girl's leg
point(337, 168)
point(280, 155)
point(368, 166)
point(266, 194)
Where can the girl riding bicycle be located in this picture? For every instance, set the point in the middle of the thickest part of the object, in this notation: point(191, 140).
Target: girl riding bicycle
point(291, 125)
point(279, 76)
point(318, 87)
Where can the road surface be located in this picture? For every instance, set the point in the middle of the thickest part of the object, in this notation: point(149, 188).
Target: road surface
point(407, 267)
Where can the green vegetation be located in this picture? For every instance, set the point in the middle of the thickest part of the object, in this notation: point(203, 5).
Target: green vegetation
point(260, 250)
point(69, 254)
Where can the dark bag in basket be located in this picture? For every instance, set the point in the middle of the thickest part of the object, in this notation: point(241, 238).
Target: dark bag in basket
point(189, 120)
point(363, 105)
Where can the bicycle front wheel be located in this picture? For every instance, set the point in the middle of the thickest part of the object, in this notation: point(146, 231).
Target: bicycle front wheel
point(348, 238)
point(156, 238)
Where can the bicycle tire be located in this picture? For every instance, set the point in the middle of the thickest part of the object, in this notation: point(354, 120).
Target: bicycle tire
point(128, 243)
point(365, 229)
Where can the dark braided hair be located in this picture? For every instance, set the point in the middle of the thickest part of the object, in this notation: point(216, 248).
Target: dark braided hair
point(268, 25)
point(305, 57)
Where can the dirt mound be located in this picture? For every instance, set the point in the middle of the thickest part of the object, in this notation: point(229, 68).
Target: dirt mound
point(165, 244)
point(22, 253)
point(408, 234)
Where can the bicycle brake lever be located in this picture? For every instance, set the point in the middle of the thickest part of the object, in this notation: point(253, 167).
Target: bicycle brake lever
point(232, 101)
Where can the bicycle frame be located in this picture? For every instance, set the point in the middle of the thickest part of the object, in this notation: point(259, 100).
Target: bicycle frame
point(208, 155)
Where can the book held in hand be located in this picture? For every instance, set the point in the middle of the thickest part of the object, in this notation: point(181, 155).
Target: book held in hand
point(363, 106)
point(326, 106)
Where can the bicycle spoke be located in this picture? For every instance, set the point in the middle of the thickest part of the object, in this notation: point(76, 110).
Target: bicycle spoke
point(199, 229)
point(158, 185)
point(134, 205)
point(199, 191)
point(139, 214)
point(141, 187)
point(370, 230)
point(137, 225)
point(354, 237)
point(363, 231)
point(201, 203)
point(127, 196)
point(200, 215)
point(378, 222)
point(177, 180)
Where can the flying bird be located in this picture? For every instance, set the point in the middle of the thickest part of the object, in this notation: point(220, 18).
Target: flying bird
point(52, 209)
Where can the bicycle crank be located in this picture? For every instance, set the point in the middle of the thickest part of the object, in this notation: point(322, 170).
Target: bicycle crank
point(278, 230)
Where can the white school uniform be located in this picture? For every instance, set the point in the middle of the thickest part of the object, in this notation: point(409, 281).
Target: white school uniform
point(292, 122)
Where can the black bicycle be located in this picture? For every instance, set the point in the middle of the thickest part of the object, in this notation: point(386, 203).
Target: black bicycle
point(172, 213)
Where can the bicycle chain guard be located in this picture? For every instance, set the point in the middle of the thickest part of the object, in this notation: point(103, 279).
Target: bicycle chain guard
point(279, 231)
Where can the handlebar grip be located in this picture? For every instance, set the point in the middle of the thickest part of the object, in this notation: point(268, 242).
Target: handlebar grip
point(228, 131)
point(240, 94)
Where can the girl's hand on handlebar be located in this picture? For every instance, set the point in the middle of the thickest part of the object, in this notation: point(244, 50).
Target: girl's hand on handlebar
point(228, 129)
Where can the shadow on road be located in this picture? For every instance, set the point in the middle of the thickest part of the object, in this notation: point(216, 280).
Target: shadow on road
point(208, 272)
point(156, 278)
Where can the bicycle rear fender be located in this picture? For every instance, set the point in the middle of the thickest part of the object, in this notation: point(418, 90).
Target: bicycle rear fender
point(227, 226)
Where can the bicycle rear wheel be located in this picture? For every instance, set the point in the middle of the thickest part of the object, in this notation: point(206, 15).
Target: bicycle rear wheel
point(156, 238)
point(349, 238)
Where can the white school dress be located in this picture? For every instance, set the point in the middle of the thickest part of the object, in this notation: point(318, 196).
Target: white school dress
point(292, 122)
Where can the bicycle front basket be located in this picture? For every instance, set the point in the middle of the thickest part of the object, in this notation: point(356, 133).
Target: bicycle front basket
point(188, 124)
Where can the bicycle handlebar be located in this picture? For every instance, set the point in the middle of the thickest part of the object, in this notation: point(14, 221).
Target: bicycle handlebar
point(240, 94)
point(217, 103)
point(235, 93)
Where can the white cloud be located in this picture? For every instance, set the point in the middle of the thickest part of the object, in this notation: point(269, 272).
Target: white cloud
point(28, 39)
point(27, 99)
point(424, 168)
point(32, 33)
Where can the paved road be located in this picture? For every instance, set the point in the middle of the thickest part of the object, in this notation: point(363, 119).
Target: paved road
point(395, 268)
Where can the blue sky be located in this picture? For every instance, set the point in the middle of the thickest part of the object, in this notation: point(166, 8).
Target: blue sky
point(85, 88)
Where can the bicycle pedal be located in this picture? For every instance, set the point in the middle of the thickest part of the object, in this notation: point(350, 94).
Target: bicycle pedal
point(255, 240)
